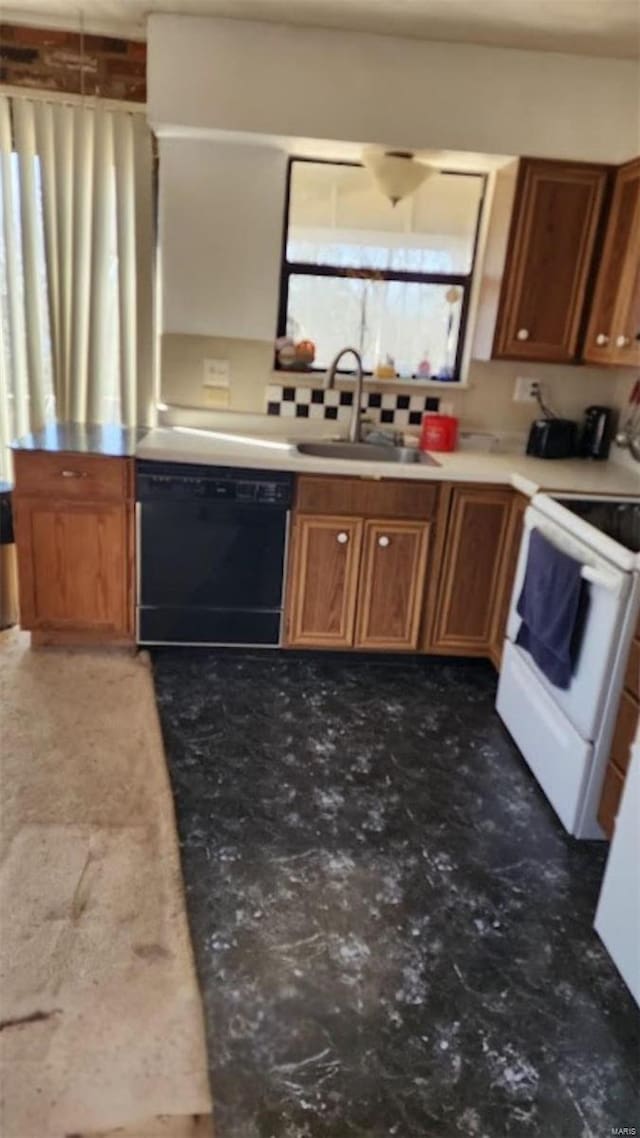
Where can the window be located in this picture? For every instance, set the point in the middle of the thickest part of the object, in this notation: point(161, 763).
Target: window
point(393, 282)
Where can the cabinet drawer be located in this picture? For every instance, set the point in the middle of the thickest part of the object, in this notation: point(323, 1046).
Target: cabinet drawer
point(610, 799)
point(72, 476)
point(366, 498)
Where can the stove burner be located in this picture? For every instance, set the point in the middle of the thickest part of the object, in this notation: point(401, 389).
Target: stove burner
point(618, 520)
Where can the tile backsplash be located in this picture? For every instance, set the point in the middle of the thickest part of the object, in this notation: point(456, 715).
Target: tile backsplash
point(486, 404)
point(388, 409)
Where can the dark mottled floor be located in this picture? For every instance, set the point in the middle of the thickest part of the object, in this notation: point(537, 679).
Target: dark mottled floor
point(393, 933)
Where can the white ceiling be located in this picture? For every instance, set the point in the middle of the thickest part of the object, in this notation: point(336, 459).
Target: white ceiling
point(583, 27)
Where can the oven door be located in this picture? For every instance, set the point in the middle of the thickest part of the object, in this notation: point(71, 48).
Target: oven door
point(584, 701)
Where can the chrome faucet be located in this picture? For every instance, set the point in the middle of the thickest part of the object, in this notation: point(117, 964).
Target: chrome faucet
point(329, 381)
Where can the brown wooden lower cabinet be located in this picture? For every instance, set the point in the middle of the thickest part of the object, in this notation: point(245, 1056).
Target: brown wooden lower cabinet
point(356, 583)
point(612, 788)
point(518, 506)
point(73, 521)
point(392, 584)
point(73, 559)
point(623, 736)
point(471, 572)
point(323, 581)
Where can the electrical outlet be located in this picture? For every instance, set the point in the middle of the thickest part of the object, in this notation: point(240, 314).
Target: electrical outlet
point(525, 390)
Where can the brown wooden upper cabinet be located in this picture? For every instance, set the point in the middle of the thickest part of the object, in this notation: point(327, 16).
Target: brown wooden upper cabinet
point(554, 229)
point(613, 333)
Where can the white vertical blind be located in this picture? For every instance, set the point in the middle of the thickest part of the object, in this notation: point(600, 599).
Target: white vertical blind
point(76, 266)
point(14, 340)
point(126, 222)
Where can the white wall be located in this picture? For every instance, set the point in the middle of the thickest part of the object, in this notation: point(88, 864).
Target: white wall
point(221, 215)
point(217, 74)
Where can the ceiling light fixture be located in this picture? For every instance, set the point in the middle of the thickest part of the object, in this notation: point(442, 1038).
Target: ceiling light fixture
point(396, 172)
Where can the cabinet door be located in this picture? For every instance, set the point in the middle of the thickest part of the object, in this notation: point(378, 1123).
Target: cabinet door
point(613, 334)
point(612, 788)
point(74, 565)
point(392, 584)
point(553, 232)
point(506, 577)
point(323, 581)
point(469, 585)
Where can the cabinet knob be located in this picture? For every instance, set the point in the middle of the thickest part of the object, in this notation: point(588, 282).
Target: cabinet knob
point(343, 538)
point(601, 339)
point(622, 341)
point(522, 334)
point(383, 541)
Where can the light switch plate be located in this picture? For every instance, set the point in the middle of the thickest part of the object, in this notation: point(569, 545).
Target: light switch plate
point(216, 373)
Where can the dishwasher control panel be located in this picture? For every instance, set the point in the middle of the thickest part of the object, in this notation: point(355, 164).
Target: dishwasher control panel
point(172, 482)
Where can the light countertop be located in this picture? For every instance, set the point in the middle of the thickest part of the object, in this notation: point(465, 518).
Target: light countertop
point(529, 475)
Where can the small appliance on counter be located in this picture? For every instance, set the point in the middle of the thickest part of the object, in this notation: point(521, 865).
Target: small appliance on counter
point(552, 438)
point(439, 432)
point(596, 433)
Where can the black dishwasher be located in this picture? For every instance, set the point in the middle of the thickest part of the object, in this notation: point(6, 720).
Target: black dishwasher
point(211, 553)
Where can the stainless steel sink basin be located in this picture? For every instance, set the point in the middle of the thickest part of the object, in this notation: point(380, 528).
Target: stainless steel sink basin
point(366, 452)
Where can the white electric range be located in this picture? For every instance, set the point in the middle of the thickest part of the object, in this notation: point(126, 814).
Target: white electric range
point(565, 734)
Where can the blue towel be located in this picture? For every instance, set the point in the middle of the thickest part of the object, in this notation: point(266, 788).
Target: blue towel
point(553, 605)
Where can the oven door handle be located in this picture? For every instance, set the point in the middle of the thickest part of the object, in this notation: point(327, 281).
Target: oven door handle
point(603, 580)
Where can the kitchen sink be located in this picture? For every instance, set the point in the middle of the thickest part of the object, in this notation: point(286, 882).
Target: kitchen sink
point(366, 452)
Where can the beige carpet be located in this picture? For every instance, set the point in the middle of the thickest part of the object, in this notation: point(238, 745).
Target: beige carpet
point(101, 1027)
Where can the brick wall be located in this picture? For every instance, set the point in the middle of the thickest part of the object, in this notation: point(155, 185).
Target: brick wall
point(58, 60)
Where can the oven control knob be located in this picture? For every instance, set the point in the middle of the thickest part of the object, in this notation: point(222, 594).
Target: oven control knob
point(343, 538)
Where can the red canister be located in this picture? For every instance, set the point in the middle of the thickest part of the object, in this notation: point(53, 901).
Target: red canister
point(439, 432)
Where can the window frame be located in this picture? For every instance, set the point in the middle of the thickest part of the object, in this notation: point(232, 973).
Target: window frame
point(305, 268)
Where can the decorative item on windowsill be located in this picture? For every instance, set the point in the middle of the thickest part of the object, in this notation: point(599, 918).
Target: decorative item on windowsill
point(424, 368)
point(305, 353)
point(285, 352)
point(386, 370)
point(453, 296)
point(295, 357)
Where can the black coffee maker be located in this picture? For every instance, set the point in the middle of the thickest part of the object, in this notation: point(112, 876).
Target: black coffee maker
point(596, 432)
